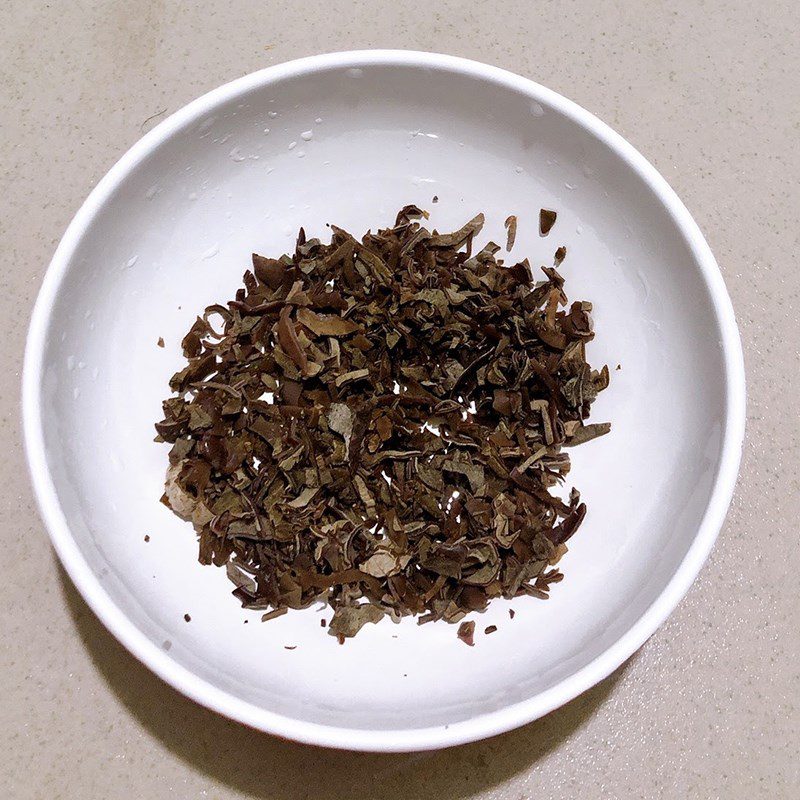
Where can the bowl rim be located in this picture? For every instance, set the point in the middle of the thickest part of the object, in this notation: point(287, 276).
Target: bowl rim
point(410, 739)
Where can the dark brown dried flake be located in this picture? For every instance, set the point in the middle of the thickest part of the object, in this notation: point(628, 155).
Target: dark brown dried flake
point(547, 219)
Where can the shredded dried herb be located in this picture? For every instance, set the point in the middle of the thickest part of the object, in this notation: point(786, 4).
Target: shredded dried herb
point(379, 424)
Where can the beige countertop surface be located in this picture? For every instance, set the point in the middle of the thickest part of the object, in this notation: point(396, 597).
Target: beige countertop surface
point(710, 93)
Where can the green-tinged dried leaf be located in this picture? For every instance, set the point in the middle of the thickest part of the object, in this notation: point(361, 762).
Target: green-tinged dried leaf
point(586, 433)
point(326, 324)
point(349, 620)
point(379, 425)
point(457, 238)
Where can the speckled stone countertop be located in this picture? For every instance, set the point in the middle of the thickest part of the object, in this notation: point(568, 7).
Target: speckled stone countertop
point(708, 91)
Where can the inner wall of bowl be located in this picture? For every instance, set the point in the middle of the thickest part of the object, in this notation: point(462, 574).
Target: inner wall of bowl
point(350, 147)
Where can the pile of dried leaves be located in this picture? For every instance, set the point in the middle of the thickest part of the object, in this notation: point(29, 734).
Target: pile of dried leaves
point(378, 424)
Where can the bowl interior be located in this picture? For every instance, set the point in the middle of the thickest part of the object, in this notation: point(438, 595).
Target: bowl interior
point(350, 146)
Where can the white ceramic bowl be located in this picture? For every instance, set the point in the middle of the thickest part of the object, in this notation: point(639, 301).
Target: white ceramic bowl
point(349, 138)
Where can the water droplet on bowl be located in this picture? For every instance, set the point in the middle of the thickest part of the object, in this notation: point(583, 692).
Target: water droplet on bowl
point(569, 186)
point(536, 109)
point(206, 125)
point(355, 72)
point(266, 130)
point(70, 363)
point(152, 192)
point(131, 261)
point(272, 114)
point(193, 195)
point(307, 135)
point(292, 145)
point(579, 230)
point(211, 252)
point(236, 154)
point(76, 392)
point(301, 153)
point(95, 373)
point(81, 365)
point(518, 169)
point(318, 120)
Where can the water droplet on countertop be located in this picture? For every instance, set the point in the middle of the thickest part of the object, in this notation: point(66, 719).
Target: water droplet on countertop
point(536, 109)
point(70, 363)
point(307, 135)
point(131, 261)
point(210, 253)
point(272, 114)
point(292, 145)
point(236, 154)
